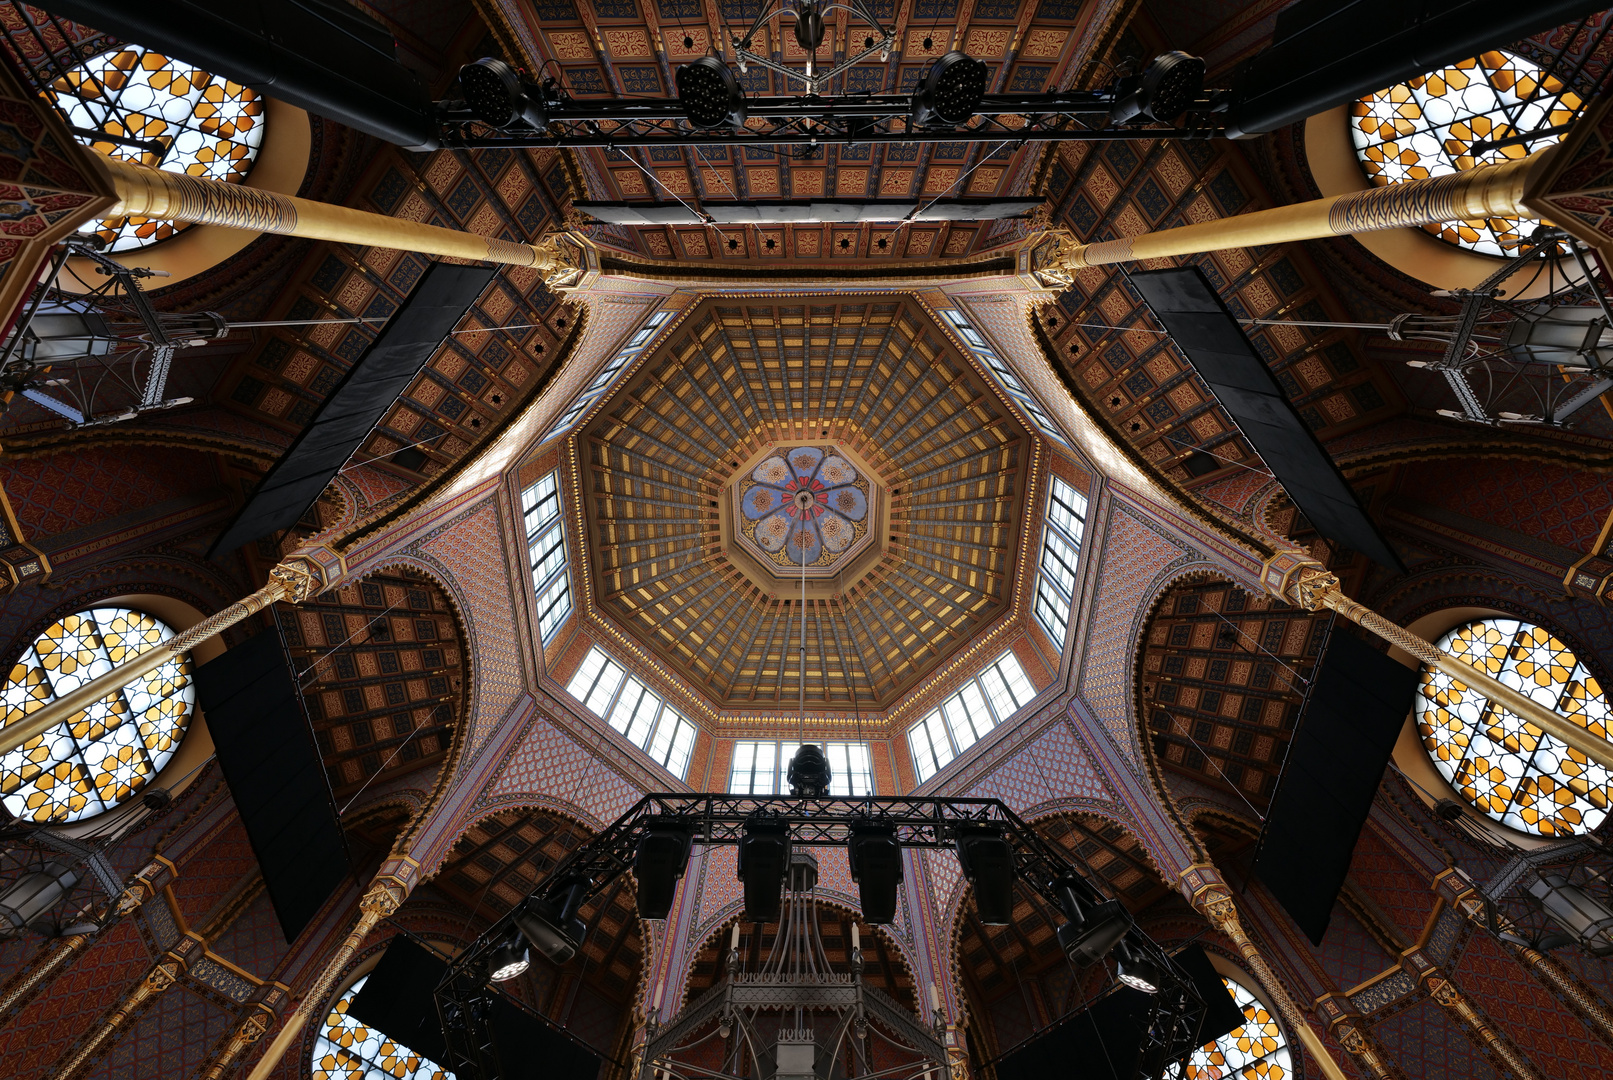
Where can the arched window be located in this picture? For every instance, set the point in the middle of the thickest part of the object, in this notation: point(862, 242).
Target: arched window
point(347, 1050)
point(112, 749)
point(1520, 777)
point(1256, 1051)
point(193, 123)
point(1430, 125)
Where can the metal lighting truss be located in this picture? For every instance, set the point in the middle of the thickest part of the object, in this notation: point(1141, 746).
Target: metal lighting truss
point(811, 120)
point(465, 996)
point(1531, 344)
point(102, 355)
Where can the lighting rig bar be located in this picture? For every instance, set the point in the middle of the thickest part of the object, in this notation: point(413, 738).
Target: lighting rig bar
point(502, 108)
point(548, 922)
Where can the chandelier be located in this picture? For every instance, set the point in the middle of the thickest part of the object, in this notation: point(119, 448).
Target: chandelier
point(794, 1017)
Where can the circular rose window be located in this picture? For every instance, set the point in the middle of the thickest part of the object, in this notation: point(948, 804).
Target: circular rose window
point(1258, 1048)
point(1506, 767)
point(111, 750)
point(184, 120)
point(1446, 121)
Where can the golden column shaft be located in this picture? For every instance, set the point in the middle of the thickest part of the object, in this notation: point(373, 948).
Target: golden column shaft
point(162, 974)
point(149, 192)
point(382, 899)
point(286, 582)
point(1313, 587)
point(1487, 191)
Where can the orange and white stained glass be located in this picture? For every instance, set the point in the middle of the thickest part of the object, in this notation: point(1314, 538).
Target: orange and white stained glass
point(1429, 127)
point(109, 751)
point(1257, 1050)
point(1510, 769)
point(207, 126)
point(348, 1050)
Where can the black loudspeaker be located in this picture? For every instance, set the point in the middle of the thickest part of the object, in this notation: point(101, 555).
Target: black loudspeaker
point(764, 857)
point(876, 867)
point(1357, 704)
point(266, 748)
point(1105, 1042)
point(1215, 344)
point(988, 863)
point(531, 1048)
point(399, 998)
point(659, 861)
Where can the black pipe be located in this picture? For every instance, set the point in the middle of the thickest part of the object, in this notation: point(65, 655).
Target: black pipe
point(322, 55)
point(1327, 53)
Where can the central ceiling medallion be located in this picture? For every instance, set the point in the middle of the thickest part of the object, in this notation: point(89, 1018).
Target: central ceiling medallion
point(805, 509)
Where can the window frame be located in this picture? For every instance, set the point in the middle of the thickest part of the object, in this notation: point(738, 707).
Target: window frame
point(939, 720)
point(840, 766)
point(661, 743)
point(551, 591)
point(1006, 377)
point(1054, 600)
point(602, 380)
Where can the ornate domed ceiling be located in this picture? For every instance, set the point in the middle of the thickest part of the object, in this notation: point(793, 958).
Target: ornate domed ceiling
point(848, 429)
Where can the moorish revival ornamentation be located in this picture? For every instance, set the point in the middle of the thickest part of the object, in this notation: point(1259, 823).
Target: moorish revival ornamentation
point(804, 504)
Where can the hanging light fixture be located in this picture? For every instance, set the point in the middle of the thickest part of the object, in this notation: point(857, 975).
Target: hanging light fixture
point(26, 903)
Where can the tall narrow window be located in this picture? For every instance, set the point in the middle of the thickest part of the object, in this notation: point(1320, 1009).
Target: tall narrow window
point(601, 382)
point(633, 709)
point(989, 699)
point(1061, 545)
point(546, 551)
point(762, 768)
point(1005, 376)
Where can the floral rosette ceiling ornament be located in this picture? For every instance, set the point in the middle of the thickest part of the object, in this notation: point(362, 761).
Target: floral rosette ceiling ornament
point(804, 505)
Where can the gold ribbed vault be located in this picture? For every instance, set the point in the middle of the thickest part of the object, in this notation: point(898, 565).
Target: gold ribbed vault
point(876, 375)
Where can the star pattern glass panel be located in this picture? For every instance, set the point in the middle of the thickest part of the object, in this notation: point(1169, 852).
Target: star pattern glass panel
point(205, 125)
point(806, 505)
point(347, 1050)
point(1256, 1051)
point(108, 752)
point(1510, 769)
point(1430, 125)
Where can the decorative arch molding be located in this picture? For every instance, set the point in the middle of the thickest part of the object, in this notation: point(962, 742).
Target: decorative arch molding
point(258, 452)
point(1586, 454)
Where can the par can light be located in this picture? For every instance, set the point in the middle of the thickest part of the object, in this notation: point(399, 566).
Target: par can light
point(710, 95)
point(1137, 971)
point(950, 92)
point(497, 96)
point(509, 960)
point(1172, 82)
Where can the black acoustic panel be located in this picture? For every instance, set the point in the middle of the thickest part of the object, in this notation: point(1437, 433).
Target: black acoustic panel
point(358, 402)
point(530, 1048)
point(1219, 351)
point(266, 749)
point(1357, 705)
point(1103, 1042)
point(399, 998)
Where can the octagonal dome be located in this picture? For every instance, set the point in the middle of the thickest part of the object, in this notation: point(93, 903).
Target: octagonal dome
point(851, 422)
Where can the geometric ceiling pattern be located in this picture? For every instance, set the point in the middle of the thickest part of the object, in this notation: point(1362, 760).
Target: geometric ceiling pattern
point(1220, 683)
point(874, 374)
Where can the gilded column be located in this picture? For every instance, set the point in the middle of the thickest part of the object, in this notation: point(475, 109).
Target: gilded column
point(1212, 899)
point(382, 898)
point(296, 579)
point(1344, 1021)
point(163, 974)
point(1446, 993)
point(27, 982)
point(1458, 890)
point(260, 1017)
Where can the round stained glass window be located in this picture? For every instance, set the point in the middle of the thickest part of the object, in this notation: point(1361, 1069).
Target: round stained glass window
point(1255, 1051)
point(347, 1050)
point(111, 750)
point(1511, 770)
point(193, 123)
point(1430, 125)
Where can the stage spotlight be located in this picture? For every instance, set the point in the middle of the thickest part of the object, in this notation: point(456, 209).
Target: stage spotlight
point(556, 932)
point(1163, 93)
point(876, 867)
point(497, 96)
point(988, 863)
point(1090, 935)
point(1137, 971)
point(658, 862)
point(509, 960)
point(764, 857)
point(809, 773)
point(710, 94)
point(950, 92)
